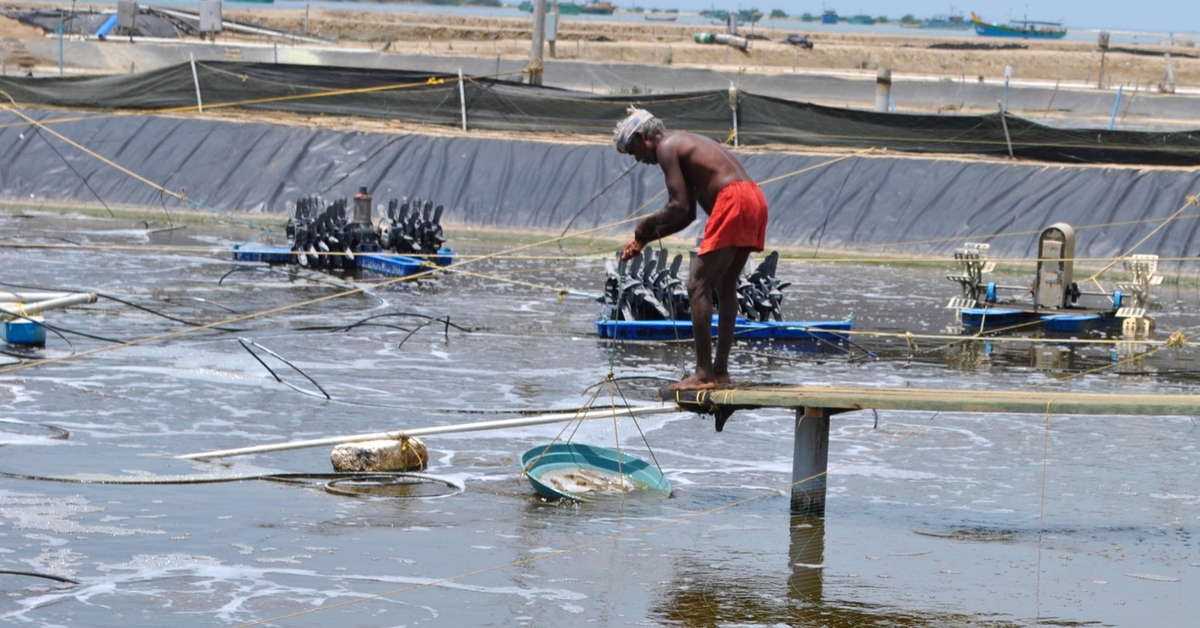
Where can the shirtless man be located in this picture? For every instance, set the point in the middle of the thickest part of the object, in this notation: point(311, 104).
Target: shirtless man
point(699, 171)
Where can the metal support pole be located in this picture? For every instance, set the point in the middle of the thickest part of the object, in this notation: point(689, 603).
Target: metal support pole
point(536, 55)
point(810, 461)
point(1116, 104)
point(1007, 76)
point(733, 106)
point(58, 28)
point(306, 19)
point(462, 99)
point(1004, 123)
point(196, 80)
point(883, 89)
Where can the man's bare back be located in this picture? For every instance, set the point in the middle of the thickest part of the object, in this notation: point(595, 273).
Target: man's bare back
point(705, 165)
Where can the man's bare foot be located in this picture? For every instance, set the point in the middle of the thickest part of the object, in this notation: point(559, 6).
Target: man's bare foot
point(693, 383)
point(723, 379)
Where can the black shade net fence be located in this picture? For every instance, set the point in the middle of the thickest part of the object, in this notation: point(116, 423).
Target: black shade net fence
point(507, 105)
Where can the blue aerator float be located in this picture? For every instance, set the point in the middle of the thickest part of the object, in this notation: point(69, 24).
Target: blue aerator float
point(405, 241)
point(645, 299)
point(1055, 296)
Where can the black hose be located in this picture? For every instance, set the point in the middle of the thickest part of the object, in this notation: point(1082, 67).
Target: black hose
point(166, 316)
point(34, 574)
point(245, 341)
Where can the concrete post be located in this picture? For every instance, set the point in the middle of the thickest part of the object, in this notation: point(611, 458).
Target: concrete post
point(536, 54)
point(1169, 84)
point(883, 90)
point(810, 457)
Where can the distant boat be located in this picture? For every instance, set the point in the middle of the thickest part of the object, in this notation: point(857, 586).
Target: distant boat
point(661, 18)
point(599, 8)
point(572, 8)
point(749, 15)
point(829, 17)
point(861, 19)
point(957, 22)
point(1020, 28)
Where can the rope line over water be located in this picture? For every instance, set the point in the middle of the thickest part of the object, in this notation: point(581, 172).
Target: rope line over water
point(605, 540)
point(181, 196)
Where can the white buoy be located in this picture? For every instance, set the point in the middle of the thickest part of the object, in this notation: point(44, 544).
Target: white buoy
point(405, 454)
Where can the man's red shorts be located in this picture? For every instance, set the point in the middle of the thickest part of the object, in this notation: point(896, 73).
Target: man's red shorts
point(738, 218)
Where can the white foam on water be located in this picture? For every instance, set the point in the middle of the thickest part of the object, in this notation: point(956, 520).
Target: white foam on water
point(884, 472)
point(202, 585)
point(9, 438)
point(1185, 496)
point(1152, 577)
point(28, 511)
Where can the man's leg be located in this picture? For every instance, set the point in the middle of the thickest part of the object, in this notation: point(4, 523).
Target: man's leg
point(706, 273)
point(728, 311)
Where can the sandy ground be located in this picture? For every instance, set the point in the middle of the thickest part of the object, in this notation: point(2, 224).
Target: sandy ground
point(659, 43)
point(665, 43)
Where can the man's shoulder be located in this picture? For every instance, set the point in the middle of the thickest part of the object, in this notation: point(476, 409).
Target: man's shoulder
point(683, 136)
point(684, 141)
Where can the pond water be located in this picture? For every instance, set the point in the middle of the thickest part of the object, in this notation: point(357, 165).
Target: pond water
point(932, 519)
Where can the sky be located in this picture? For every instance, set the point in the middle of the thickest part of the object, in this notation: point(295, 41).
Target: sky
point(1181, 16)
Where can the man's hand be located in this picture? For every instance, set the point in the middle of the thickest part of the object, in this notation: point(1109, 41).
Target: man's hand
point(632, 248)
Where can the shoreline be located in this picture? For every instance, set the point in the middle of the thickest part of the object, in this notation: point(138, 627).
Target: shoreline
point(1140, 68)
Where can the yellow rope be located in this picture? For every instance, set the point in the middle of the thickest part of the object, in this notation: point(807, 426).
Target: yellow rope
point(87, 151)
point(283, 308)
point(1009, 234)
point(814, 167)
point(582, 257)
point(1191, 200)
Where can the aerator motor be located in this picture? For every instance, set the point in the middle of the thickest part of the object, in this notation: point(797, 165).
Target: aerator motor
point(323, 236)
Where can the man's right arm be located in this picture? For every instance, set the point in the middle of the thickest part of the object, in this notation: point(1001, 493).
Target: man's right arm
point(680, 210)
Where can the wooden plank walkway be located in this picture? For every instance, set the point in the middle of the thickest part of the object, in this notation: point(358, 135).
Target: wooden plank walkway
point(815, 404)
point(846, 398)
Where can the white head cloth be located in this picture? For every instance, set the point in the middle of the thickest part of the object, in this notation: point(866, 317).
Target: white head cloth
point(633, 123)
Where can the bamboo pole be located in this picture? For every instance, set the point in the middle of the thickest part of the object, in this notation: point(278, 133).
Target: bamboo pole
point(441, 429)
point(846, 398)
point(29, 297)
point(37, 307)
